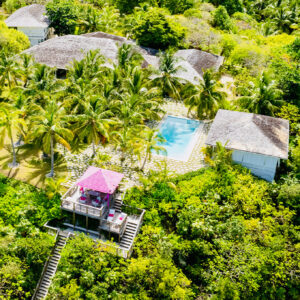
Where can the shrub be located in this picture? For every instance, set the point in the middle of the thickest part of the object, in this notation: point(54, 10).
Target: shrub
point(177, 6)
point(193, 13)
point(62, 15)
point(157, 31)
point(228, 44)
point(221, 19)
point(248, 56)
point(12, 40)
point(127, 6)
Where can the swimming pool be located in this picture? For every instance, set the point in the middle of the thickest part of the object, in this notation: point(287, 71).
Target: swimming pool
point(180, 135)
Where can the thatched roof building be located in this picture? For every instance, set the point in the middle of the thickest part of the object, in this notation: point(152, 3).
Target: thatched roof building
point(258, 142)
point(250, 132)
point(59, 52)
point(29, 16)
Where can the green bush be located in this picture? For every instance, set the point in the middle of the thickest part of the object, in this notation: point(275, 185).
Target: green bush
point(177, 6)
point(221, 19)
point(23, 248)
point(155, 30)
point(12, 40)
point(225, 232)
point(249, 56)
point(232, 6)
point(63, 15)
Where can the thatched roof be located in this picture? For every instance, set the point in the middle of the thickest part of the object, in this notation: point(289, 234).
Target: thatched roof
point(250, 132)
point(29, 16)
point(59, 52)
point(201, 60)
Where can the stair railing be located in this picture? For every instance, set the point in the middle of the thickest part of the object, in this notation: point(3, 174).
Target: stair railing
point(45, 268)
point(47, 263)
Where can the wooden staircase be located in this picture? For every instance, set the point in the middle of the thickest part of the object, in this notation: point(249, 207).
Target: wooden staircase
point(118, 205)
point(50, 267)
point(129, 235)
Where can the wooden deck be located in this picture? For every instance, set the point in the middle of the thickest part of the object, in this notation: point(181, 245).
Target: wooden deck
point(82, 209)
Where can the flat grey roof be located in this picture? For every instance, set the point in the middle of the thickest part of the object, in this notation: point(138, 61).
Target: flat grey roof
point(250, 132)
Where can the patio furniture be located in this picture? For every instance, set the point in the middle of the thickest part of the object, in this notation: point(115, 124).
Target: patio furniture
point(111, 215)
point(82, 199)
point(97, 201)
point(121, 218)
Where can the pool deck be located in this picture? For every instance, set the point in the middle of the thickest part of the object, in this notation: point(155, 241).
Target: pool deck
point(78, 163)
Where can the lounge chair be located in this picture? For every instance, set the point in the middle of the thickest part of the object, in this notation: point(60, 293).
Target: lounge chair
point(111, 215)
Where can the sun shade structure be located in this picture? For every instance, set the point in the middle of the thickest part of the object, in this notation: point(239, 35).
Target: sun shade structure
point(100, 180)
point(258, 142)
point(59, 52)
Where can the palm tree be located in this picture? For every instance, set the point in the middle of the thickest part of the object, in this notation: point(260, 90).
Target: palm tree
point(27, 67)
point(93, 123)
point(283, 19)
point(43, 84)
point(9, 70)
point(167, 80)
point(50, 125)
point(149, 142)
point(206, 97)
point(265, 97)
point(10, 122)
point(130, 117)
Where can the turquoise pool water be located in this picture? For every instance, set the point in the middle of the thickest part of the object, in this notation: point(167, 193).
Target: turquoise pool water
point(179, 134)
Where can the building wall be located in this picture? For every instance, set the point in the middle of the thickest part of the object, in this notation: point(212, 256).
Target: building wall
point(260, 165)
point(36, 35)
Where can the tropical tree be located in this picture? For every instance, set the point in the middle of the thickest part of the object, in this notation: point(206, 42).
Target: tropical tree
point(149, 141)
point(9, 71)
point(27, 66)
point(43, 84)
point(128, 57)
point(167, 80)
point(283, 19)
point(206, 97)
point(265, 97)
point(50, 125)
point(10, 124)
point(93, 122)
point(130, 117)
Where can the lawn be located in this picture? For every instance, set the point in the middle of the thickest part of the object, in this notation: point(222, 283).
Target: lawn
point(32, 168)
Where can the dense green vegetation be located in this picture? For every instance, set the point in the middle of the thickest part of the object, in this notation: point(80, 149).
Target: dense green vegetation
point(218, 233)
point(23, 247)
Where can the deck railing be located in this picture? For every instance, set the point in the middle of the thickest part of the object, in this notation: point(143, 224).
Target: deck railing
point(112, 226)
point(82, 208)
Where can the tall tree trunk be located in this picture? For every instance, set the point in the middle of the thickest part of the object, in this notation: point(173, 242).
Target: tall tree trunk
point(144, 163)
point(14, 163)
point(52, 157)
point(94, 150)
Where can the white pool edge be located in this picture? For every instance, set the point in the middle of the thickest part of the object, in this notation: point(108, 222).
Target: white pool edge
point(192, 143)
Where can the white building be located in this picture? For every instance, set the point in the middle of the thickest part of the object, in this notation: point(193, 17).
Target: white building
point(258, 142)
point(32, 21)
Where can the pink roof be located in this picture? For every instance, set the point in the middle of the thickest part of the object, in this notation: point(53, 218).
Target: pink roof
point(100, 180)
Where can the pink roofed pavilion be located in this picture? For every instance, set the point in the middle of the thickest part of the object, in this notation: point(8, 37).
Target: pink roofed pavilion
point(100, 180)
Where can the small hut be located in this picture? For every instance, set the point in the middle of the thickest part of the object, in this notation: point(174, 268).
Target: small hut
point(32, 21)
point(258, 142)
